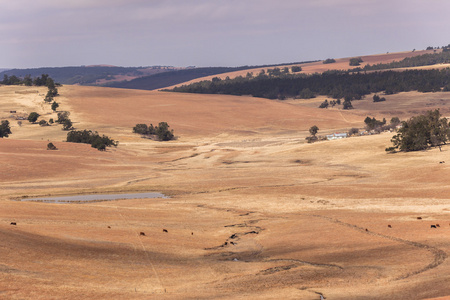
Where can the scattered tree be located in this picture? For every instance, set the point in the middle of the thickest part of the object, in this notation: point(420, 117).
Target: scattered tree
point(5, 130)
point(296, 69)
point(32, 117)
point(313, 130)
point(353, 131)
point(67, 125)
point(43, 123)
point(324, 104)
point(55, 105)
point(377, 98)
point(347, 104)
point(62, 116)
point(421, 132)
point(163, 132)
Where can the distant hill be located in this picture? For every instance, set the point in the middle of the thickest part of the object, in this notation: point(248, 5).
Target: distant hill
point(88, 75)
point(145, 78)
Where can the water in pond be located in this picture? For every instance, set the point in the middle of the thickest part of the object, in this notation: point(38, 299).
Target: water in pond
point(96, 197)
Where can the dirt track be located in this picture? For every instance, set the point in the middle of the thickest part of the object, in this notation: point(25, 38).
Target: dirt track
point(254, 212)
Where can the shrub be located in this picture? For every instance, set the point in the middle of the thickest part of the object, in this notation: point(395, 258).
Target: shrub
point(43, 123)
point(50, 146)
point(92, 138)
point(161, 131)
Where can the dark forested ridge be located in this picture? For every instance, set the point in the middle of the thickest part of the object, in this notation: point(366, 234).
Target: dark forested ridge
point(335, 84)
point(162, 80)
point(415, 61)
point(84, 75)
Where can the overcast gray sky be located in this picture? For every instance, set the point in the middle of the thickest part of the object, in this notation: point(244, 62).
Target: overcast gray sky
point(38, 33)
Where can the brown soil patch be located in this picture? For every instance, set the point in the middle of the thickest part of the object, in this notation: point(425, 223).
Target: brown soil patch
point(255, 212)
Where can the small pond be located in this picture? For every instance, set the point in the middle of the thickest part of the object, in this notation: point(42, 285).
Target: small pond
point(95, 197)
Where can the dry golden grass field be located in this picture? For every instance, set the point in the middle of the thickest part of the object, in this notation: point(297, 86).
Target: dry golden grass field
point(254, 212)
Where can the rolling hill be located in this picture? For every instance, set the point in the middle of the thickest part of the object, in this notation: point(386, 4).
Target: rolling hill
point(253, 210)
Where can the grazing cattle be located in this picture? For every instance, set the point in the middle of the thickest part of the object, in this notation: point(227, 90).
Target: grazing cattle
point(165, 230)
point(192, 233)
point(419, 218)
point(367, 229)
point(142, 233)
point(13, 223)
point(232, 243)
point(233, 236)
point(442, 162)
point(433, 226)
point(389, 226)
point(437, 225)
point(109, 226)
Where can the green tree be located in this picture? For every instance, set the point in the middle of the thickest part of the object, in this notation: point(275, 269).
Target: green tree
point(163, 132)
point(296, 69)
point(324, 104)
point(421, 132)
point(5, 130)
point(55, 105)
point(67, 124)
point(33, 116)
point(62, 116)
point(347, 104)
point(141, 129)
point(313, 130)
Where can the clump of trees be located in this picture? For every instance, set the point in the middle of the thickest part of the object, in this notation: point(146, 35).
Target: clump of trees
point(324, 104)
point(421, 132)
point(296, 69)
point(347, 104)
point(5, 129)
point(372, 123)
point(329, 61)
point(160, 132)
point(356, 61)
point(63, 118)
point(377, 98)
point(92, 138)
